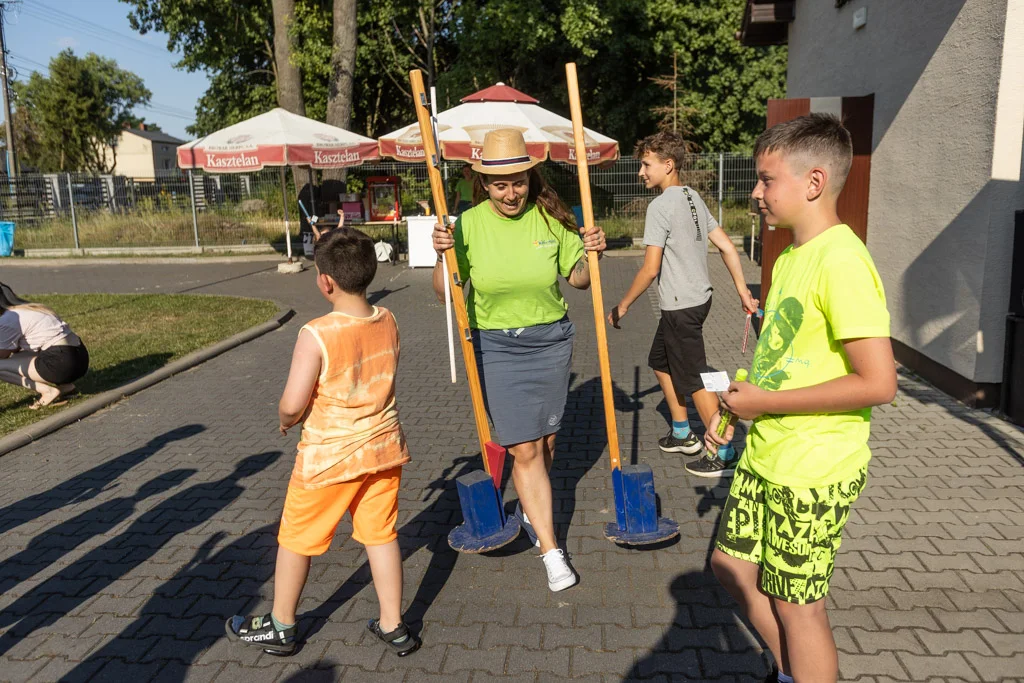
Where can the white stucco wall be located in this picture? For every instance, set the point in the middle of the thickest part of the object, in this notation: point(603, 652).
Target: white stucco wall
point(134, 157)
point(939, 225)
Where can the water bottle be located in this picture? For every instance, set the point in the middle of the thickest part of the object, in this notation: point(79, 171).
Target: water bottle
point(741, 376)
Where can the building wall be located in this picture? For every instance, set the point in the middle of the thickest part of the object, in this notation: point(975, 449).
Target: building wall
point(134, 157)
point(939, 218)
point(165, 160)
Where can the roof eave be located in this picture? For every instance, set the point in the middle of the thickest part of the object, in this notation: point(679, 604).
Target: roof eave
point(765, 22)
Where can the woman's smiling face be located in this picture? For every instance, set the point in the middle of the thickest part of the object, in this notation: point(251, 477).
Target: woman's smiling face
point(508, 192)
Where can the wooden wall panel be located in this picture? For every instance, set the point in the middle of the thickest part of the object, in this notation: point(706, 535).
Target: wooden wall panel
point(773, 242)
point(858, 116)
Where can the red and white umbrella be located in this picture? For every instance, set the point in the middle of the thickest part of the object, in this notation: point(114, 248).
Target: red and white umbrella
point(277, 138)
point(461, 130)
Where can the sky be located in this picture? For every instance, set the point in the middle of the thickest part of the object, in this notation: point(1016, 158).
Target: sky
point(36, 30)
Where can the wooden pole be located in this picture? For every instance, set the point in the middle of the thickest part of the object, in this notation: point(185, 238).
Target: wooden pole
point(433, 159)
point(595, 274)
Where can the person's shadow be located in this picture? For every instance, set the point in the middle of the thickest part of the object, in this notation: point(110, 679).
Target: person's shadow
point(706, 618)
point(57, 541)
point(174, 608)
point(375, 297)
point(88, 484)
point(186, 620)
point(41, 607)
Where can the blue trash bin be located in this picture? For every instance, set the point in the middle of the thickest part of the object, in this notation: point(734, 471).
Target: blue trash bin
point(6, 238)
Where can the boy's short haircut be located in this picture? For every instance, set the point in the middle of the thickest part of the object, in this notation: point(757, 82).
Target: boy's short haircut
point(348, 256)
point(821, 139)
point(666, 145)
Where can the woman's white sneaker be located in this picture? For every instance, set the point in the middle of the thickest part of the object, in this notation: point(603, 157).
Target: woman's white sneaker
point(560, 574)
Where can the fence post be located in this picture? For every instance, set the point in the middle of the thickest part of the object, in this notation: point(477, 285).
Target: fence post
point(192, 197)
point(721, 185)
point(71, 203)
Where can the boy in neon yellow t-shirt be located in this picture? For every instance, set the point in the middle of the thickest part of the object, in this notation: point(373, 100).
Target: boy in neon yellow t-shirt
point(823, 360)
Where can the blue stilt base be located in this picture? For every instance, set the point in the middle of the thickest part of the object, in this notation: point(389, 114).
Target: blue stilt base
point(667, 529)
point(462, 540)
point(636, 509)
point(485, 526)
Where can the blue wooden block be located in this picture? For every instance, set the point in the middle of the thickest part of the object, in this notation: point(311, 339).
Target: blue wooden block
point(641, 506)
point(620, 499)
point(480, 507)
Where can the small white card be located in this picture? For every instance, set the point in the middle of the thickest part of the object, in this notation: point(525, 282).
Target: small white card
point(715, 381)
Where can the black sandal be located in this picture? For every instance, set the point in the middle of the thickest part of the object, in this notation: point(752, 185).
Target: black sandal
point(260, 631)
point(401, 640)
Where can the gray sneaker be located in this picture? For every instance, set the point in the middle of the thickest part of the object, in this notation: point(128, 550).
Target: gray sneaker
point(690, 445)
point(713, 466)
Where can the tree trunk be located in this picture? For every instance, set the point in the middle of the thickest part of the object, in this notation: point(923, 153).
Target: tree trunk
point(288, 76)
point(343, 64)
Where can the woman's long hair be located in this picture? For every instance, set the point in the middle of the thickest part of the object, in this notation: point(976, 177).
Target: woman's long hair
point(541, 194)
point(9, 300)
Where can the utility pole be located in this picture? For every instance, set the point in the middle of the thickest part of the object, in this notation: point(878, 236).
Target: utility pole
point(675, 88)
point(12, 160)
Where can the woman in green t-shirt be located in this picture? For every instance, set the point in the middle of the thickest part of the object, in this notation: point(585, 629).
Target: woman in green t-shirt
point(512, 248)
point(464, 190)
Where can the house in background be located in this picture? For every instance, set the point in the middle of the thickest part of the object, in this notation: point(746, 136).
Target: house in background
point(143, 153)
point(933, 93)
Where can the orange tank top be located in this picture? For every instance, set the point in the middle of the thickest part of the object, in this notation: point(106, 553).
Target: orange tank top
point(352, 428)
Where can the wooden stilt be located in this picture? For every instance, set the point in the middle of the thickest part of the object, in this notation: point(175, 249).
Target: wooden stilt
point(634, 491)
point(464, 538)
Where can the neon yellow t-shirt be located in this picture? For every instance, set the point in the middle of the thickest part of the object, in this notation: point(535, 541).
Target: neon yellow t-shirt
point(824, 292)
point(513, 266)
point(465, 190)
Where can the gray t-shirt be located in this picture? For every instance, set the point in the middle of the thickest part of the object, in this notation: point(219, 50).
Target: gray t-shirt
point(681, 228)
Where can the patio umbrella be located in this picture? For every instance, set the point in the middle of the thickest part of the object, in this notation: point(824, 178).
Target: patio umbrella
point(277, 138)
point(461, 130)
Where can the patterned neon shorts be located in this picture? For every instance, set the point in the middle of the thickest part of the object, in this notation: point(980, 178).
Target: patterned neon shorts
point(792, 533)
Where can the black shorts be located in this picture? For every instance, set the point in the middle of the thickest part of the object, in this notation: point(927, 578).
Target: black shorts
point(62, 364)
point(678, 347)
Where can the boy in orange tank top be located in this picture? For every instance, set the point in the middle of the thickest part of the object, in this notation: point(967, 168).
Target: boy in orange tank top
point(341, 386)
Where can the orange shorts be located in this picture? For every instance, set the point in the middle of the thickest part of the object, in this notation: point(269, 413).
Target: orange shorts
point(311, 517)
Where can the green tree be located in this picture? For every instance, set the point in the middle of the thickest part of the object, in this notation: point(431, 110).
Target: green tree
point(231, 41)
point(621, 46)
point(70, 120)
point(724, 85)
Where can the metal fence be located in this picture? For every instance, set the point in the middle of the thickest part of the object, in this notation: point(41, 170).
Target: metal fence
point(69, 210)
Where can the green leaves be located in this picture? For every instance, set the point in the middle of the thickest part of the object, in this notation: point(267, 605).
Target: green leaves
point(621, 46)
point(73, 116)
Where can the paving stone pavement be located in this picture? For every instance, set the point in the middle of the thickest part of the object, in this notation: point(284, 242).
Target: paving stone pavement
point(129, 537)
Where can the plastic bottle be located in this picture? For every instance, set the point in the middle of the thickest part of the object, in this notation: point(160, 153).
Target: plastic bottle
point(741, 376)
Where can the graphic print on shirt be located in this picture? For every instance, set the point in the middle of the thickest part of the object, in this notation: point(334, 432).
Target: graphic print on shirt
point(773, 355)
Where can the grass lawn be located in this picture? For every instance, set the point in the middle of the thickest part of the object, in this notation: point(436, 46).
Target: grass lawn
point(129, 335)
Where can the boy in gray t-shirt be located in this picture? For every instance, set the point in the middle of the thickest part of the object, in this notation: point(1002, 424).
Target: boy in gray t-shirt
point(676, 235)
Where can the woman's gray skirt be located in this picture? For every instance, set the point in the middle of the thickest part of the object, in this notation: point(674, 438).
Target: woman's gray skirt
point(524, 374)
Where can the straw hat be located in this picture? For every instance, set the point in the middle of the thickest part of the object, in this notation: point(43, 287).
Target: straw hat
point(504, 153)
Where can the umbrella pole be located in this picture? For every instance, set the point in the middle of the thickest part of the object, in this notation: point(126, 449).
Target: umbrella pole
point(284, 204)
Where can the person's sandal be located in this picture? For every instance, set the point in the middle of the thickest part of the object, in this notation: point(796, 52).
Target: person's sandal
point(260, 631)
point(401, 640)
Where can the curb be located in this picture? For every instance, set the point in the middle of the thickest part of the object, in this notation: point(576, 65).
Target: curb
point(24, 437)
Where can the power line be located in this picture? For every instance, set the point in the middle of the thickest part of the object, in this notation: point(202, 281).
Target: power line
point(155, 107)
point(77, 24)
point(158, 107)
point(102, 29)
